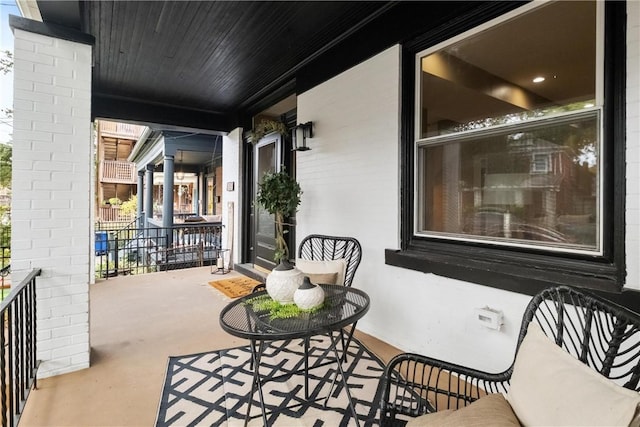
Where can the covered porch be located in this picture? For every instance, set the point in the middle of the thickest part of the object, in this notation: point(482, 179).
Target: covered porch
point(137, 322)
point(359, 87)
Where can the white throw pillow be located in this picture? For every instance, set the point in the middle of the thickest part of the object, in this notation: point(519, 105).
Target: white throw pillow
point(550, 387)
point(330, 266)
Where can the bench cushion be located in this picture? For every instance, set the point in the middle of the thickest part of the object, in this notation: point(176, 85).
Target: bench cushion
point(338, 266)
point(322, 278)
point(551, 387)
point(491, 410)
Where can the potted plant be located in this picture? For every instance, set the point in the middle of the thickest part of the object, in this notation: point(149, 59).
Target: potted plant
point(265, 127)
point(279, 194)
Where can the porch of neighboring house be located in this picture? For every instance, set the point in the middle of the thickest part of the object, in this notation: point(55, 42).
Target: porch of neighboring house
point(116, 176)
point(156, 316)
point(125, 248)
point(172, 220)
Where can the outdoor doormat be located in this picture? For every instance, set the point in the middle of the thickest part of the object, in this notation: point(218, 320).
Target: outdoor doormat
point(212, 389)
point(236, 286)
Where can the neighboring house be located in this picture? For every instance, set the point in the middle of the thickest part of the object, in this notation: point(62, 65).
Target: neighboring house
point(532, 190)
point(116, 176)
point(193, 185)
point(407, 100)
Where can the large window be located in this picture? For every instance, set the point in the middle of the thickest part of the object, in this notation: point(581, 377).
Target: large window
point(513, 153)
point(508, 135)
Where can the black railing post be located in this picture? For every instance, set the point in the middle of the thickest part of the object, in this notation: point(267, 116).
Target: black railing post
point(34, 366)
point(10, 384)
point(115, 255)
point(18, 360)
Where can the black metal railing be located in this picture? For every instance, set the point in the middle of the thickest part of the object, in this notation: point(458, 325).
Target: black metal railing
point(134, 250)
point(181, 216)
point(116, 225)
point(18, 362)
point(5, 260)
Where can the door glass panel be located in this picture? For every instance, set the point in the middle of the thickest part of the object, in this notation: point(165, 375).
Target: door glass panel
point(265, 239)
point(266, 164)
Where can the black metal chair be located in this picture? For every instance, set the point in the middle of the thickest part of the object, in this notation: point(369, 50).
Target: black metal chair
point(319, 247)
point(598, 332)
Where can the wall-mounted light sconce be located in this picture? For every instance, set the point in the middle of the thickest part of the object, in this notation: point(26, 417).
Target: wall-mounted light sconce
point(300, 135)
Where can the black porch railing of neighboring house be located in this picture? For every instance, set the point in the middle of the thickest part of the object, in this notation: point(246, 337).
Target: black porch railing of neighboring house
point(135, 250)
point(18, 362)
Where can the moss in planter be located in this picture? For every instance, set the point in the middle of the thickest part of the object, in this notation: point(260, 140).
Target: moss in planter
point(277, 310)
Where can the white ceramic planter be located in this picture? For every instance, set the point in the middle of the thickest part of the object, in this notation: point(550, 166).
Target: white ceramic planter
point(308, 295)
point(283, 281)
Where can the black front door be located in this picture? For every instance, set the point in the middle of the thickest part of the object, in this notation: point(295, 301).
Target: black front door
point(267, 159)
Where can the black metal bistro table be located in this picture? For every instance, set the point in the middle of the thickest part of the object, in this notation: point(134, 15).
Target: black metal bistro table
point(343, 306)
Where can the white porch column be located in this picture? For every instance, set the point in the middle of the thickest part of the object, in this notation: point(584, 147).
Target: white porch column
point(148, 194)
point(167, 194)
point(140, 195)
point(52, 214)
point(231, 195)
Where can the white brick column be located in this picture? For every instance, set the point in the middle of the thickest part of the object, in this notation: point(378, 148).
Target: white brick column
point(52, 192)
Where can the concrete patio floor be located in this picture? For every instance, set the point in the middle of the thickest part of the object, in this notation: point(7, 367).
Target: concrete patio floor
point(136, 323)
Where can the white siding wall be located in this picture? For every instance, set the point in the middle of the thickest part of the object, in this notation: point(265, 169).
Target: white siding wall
point(350, 180)
point(633, 144)
point(351, 187)
point(231, 161)
point(51, 208)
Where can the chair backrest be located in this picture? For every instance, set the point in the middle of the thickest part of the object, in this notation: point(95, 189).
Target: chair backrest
point(603, 335)
point(322, 248)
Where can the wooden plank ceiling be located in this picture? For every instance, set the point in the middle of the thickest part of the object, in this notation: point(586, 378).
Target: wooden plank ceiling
point(215, 57)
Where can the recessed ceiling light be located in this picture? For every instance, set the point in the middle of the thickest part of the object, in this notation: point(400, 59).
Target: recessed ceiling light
point(538, 79)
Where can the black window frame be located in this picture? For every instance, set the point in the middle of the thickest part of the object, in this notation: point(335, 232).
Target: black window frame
point(523, 270)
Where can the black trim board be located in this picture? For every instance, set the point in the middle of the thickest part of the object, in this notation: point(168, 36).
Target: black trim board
point(51, 30)
point(137, 110)
point(523, 273)
point(66, 13)
point(615, 72)
point(458, 269)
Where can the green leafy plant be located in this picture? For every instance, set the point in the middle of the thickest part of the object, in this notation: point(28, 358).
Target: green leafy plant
point(6, 161)
point(130, 207)
point(279, 194)
point(277, 310)
point(266, 127)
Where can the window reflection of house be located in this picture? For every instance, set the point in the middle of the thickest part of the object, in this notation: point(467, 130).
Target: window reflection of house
point(529, 186)
point(535, 189)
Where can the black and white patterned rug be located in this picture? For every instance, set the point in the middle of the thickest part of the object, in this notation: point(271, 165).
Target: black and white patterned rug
point(211, 389)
